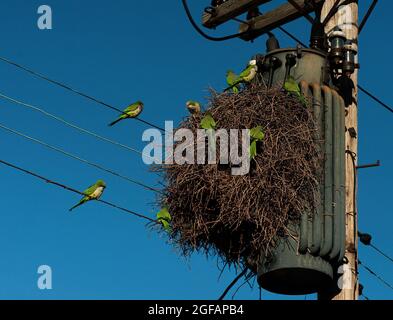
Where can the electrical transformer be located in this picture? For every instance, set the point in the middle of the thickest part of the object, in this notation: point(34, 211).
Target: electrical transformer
point(308, 263)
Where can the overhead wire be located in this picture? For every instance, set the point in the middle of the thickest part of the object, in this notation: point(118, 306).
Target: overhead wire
point(381, 252)
point(368, 14)
point(70, 155)
point(28, 172)
point(202, 33)
point(80, 93)
point(382, 280)
point(59, 119)
point(361, 88)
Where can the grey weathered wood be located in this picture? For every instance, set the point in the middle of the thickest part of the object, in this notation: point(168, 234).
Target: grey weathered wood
point(275, 18)
point(229, 10)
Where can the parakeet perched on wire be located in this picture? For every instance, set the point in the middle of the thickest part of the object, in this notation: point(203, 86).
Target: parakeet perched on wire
point(291, 86)
point(132, 111)
point(193, 107)
point(165, 218)
point(94, 192)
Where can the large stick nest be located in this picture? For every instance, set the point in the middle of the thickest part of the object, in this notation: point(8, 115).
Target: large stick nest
point(240, 218)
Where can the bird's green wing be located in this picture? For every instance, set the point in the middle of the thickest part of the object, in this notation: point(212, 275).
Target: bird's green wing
point(132, 107)
point(292, 86)
point(90, 190)
point(232, 81)
point(231, 78)
point(253, 149)
point(257, 133)
point(208, 122)
point(164, 214)
point(246, 72)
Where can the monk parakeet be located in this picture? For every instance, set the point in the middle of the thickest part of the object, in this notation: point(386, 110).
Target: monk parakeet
point(208, 122)
point(232, 81)
point(246, 76)
point(132, 111)
point(94, 192)
point(193, 107)
point(291, 86)
point(165, 218)
point(256, 135)
point(249, 73)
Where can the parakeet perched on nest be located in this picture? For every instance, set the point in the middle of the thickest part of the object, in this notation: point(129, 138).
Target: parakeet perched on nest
point(193, 107)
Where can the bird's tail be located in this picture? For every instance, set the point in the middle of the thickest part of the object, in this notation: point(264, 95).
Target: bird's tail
point(114, 122)
point(77, 205)
point(233, 87)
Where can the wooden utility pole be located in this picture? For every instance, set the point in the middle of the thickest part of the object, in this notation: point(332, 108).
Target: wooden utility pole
point(347, 20)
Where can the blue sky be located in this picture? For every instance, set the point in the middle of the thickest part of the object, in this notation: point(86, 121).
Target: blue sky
point(121, 51)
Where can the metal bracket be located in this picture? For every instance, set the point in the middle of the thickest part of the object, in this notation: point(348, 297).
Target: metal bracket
point(367, 166)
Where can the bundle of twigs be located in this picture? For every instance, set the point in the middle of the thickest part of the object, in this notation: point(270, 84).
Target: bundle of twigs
point(240, 218)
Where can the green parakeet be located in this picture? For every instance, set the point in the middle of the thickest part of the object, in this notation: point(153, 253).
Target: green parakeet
point(291, 86)
point(132, 111)
point(256, 135)
point(249, 73)
point(246, 76)
point(94, 192)
point(193, 107)
point(208, 122)
point(232, 81)
point(165, 218)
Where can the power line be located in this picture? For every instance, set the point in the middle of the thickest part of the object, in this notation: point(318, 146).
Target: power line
point(383, 104)
point(376, 275)
point(75, 191)
point(381, 252)
point(57, 118)
point(369, 94)
point(62, 85)
point(292, 36)
point(368, 14)
point(70, 155)
point(203, 34)
point(366, 239)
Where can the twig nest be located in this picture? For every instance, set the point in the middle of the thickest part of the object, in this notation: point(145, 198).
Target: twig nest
point(241, 217)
